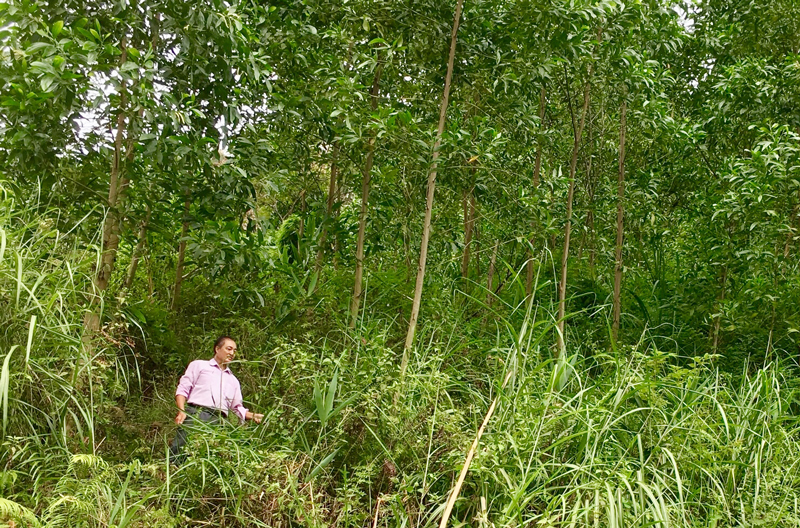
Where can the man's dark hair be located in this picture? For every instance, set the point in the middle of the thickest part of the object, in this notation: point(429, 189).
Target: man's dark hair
point(220, 340)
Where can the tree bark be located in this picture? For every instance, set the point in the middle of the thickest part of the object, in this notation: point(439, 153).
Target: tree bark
point(426, 230)
point(332, 184)
point(468, 200)
point(365, 187)
point(476, 242)
point(469, 223)
point(591, 186)
point(537, 167)
point(562, 285)
point(408, 210)
point(792, 223)
point(116, 192)
point(301, 225)
point(620, 221)
point(151, 287)
point(490, 293)
point(337, 243)
point(137, 252)
point(176, 292)
point(718, 317)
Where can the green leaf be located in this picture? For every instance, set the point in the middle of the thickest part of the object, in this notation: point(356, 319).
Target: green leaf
point(36, 46)
point(321, 465)
point(47, 83)
point(44, 66)
point(30, 339)
point(313, 283)
point(57, 27)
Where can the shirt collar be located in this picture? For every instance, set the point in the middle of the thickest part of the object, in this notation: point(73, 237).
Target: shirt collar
point(213, 362)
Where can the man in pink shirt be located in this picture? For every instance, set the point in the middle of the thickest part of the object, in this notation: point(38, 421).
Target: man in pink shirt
point(207, 391)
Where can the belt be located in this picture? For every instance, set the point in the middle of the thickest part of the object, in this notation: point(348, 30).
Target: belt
point(218, 412)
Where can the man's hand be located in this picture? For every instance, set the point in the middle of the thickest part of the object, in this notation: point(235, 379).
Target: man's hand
point(180, 401)
point(253, 416)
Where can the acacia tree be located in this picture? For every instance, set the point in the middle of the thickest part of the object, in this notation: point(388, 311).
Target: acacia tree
point(620, 220)
point(118, 182)
point(578, 133)
point(537, 168)
point(365, 186)
point(426, 228)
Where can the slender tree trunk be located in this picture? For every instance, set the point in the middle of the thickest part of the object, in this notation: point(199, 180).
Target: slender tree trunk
point(768, 354)
point(793, 223)
point(151, 287)
point(337, 244)
point(468, 200)
point(332, 184)
point(620, 219)
point(476, 242)
point(562, 285)
point(537, 167)
point(113, 221)
point(176, 292)
point(408, 210)
point(116, 193)
point(591, 186)
point(365, 187)
point(426, 230)
point(490, 276)
point(592, 242)
point(718, 317)
point(469, 222)
point(333, 189)
point(301, 225)
point(137, 252)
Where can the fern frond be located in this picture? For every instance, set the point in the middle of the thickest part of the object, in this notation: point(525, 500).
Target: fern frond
point(87, 461)
point(12, 510)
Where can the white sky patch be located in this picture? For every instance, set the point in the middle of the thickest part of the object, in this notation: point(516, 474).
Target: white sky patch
point(686, 14)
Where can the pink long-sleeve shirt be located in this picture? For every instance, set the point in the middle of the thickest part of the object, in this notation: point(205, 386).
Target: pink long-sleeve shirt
point(207, 385)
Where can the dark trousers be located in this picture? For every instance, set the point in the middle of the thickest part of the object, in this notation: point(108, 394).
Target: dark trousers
point(193, 413)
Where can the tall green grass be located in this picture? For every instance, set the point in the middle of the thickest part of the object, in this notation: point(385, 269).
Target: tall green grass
point(45, 280)
point(613, 438)
point(643, 444)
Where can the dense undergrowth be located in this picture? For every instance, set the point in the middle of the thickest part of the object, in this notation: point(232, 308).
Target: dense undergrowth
point(629, 436)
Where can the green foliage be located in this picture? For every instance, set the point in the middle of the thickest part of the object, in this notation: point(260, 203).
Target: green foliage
point(210, 157)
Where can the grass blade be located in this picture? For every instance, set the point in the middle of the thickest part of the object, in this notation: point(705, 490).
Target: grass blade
point(5, 379)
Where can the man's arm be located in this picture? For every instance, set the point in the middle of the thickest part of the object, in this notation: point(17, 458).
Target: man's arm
point(241, 410)
point(180, 401)
point(184, 389)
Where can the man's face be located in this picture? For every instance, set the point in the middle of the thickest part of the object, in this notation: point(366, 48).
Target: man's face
point(225, 353)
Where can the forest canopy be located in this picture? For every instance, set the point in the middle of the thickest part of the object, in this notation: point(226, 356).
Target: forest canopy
point(488, 263)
